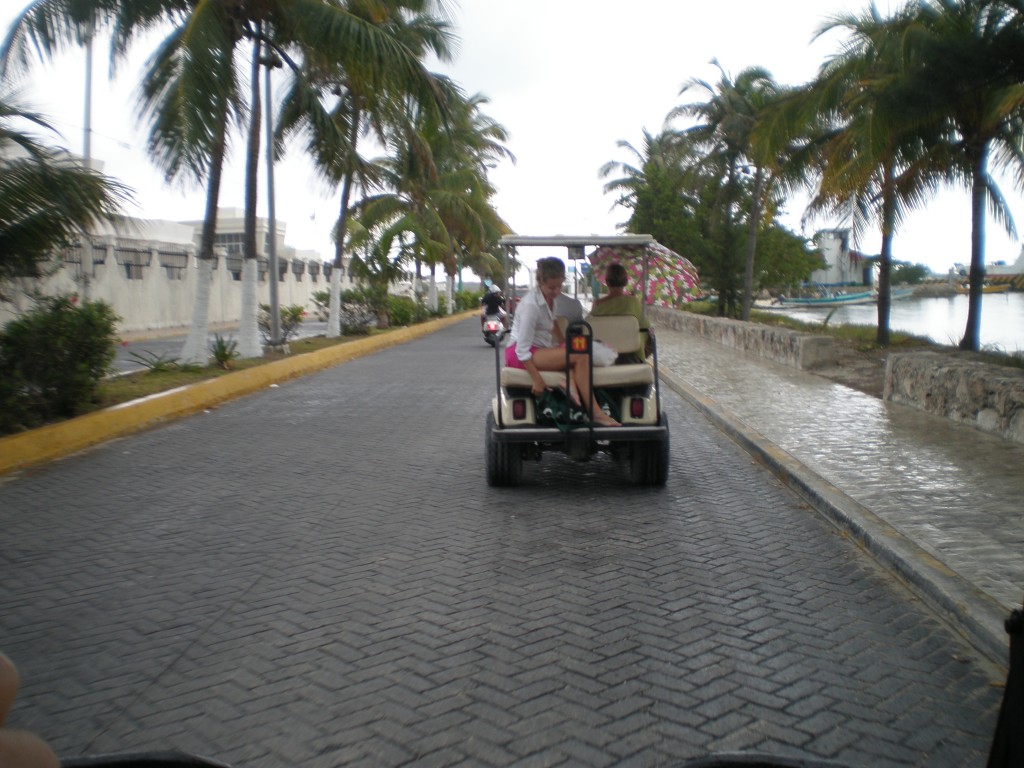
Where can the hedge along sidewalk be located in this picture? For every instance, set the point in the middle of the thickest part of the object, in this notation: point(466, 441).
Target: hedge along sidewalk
point(58, 440)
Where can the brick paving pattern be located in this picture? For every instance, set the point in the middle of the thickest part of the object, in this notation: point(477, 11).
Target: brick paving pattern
point(318, 575)
point(954, 490)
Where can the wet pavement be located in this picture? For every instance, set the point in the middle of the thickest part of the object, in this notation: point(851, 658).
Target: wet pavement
point(953, 490)
point(318, 575)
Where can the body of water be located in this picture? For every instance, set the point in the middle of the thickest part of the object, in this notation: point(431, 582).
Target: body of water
point(940, 319)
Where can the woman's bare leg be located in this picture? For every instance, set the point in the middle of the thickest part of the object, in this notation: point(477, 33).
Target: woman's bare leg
point(581, 373)
point(553, 359)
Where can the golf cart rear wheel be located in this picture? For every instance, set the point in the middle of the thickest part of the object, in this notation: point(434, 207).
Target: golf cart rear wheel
point(504, 460)
point(648, 462)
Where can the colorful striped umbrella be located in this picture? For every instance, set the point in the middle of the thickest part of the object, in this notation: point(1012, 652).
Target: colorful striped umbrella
point(672, 280)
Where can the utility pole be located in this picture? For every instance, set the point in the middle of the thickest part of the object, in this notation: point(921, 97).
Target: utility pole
point(85, 251)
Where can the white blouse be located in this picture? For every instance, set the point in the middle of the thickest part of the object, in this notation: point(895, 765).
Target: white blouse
point(533, 324)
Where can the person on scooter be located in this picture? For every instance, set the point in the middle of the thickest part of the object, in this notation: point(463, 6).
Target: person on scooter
point(493, 304)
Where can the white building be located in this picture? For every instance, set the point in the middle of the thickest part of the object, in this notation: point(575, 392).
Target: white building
point(229, 242)
point(842, 266)
point(1002, 268)
point(147, 271)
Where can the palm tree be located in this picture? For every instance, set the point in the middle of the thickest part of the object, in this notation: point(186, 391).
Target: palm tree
point(655, 185)
point(335, 108)
point(47, 200)
point(876, 157)
point(727, 122)
point(971, 70)
point(191, 97)
point(191, 90)
point(470, 144)
point(436, 188)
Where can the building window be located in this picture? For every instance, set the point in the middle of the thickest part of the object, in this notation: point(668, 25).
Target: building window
point(231, 242)
point(234, 265)
point(174, 265)
point(133, 260)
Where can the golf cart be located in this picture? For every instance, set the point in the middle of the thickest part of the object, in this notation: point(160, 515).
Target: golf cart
point(521, 427)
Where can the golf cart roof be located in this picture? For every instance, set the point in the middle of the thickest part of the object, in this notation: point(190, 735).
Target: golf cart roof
point(570, 241)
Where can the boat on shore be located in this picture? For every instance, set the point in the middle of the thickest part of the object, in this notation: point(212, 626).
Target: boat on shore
point(827, 299)
point(986, 288)
point(839, 299)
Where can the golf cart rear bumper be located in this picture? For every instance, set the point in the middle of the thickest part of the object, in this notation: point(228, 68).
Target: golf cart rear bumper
point(623, 434)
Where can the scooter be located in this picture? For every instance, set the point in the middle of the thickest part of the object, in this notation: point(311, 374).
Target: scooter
point(493, 329)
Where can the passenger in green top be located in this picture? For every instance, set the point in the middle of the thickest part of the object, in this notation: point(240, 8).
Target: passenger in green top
point(618, 302)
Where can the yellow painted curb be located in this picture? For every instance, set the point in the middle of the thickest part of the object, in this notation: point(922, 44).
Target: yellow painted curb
point(58, 440)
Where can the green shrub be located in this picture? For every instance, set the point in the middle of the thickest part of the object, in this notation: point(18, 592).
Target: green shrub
point(322, 303)
point(53, 357)
point(223, 351)
point(15, 413)
point(154, 362)
point(291, 318)
point(420, 313)
point(467, 300)
point(354, 296)
point(401, 310)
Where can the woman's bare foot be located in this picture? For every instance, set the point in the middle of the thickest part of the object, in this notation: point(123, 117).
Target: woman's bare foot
point(602, 419)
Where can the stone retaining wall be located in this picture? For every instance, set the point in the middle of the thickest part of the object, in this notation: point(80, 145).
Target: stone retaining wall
point(954, 385)
point(799, 350)
point(989, 397)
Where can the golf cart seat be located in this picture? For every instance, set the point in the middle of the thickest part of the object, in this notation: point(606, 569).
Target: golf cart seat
point(622, 332)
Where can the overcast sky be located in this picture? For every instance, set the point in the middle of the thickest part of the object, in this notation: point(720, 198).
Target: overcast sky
point(567, 78)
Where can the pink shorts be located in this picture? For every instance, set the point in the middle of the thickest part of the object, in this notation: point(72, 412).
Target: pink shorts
point(512, 359)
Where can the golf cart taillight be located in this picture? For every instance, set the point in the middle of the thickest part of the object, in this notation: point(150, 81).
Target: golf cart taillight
point(636, 407)
point(518, 410)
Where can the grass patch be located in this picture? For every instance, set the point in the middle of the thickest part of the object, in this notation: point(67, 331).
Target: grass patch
point(861, 335)
point(133, 386)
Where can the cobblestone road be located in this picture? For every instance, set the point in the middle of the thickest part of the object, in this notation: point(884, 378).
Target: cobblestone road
point(318, 576)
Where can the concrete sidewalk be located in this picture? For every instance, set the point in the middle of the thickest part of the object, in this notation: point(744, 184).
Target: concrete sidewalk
point(936, 502)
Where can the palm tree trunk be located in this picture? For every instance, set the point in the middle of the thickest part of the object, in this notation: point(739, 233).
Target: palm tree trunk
point(196, 349)
point(886, 257)
point(334, 305)
point(248, 333)
point(432, 289)
point(979, 193)
point(885, 263)
point(755, 222)
point(334, 328)
point(727, 290)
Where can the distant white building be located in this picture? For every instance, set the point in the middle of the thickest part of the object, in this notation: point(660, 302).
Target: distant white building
point(1002, 268)
point(841, 265)
point(229, 242)
point(147, 270)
